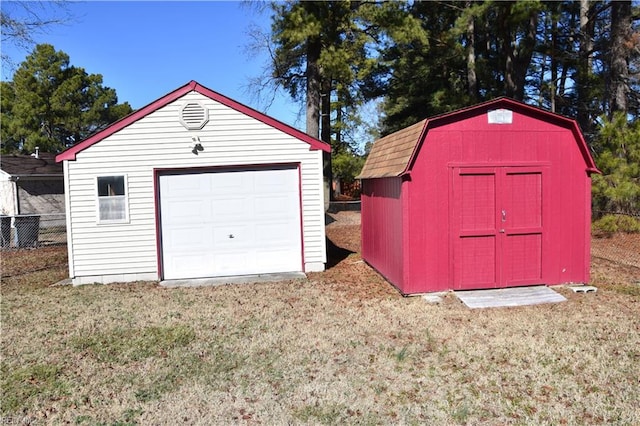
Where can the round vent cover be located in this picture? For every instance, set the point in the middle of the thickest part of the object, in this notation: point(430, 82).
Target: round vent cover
point(194, 115)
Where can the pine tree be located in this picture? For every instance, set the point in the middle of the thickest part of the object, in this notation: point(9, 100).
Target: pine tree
point(53, 105)
point(618, 157)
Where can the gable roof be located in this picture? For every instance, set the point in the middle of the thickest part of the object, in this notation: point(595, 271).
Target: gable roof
point(25, 166)
point(394, 154)
point(192, 86)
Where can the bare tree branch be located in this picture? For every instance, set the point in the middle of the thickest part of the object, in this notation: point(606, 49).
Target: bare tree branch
point(22, 22)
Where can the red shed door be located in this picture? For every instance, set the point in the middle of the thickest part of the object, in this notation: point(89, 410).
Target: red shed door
point(496, 227)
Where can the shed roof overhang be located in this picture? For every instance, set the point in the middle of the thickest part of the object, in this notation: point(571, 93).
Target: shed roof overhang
point(192, 86)
point(400, 165)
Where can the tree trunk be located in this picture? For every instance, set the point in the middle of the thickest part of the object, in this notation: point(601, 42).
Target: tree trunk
point(472, 78)
point(554, 63)
point(313, 87)
point(619, 68)
point(583, 70)
point(325, 131)
point(325, 108)
point(524, 56)
point(507, 51)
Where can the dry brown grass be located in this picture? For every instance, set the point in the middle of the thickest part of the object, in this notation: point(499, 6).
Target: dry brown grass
point(340, 347)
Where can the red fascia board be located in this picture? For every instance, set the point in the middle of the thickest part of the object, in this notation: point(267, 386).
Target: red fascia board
point(500, 102)
point(70, 154)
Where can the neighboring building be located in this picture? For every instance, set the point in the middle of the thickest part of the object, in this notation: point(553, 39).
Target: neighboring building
point(494, 195)
point(31, 184)
point(194, 185)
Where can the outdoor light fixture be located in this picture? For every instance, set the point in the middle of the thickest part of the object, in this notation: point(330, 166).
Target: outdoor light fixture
point(197, 145)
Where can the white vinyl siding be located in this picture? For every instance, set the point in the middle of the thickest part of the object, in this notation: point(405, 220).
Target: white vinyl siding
point(160, 141)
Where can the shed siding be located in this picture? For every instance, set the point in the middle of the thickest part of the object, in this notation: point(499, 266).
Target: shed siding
point(473, 142)
point(159, 141)
point(535, 142)
point(382, 227)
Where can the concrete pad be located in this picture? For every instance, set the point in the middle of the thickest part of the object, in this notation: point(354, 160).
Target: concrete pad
point(236, 279)
point(504, 297)
point(433, 297)
point(584, 289)
point(66, 281)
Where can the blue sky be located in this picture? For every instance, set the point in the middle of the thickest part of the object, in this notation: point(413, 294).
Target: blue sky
point(146, 49)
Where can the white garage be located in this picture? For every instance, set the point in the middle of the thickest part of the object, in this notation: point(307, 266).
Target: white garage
point(226, 223)
point(194, 185)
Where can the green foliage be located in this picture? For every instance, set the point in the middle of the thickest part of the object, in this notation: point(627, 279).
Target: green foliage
point(346, 165)
point(342, 40)
point(612, 223)
point(527, 50)
point(52, 104)
point(618, 157)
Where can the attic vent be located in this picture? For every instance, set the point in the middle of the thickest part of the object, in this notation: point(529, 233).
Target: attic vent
point(500, 116)
point(194, 116)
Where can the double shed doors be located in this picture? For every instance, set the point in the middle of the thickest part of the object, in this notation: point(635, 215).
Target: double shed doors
point(497, 226)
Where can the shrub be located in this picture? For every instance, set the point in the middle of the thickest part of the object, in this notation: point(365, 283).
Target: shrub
point(612, 223)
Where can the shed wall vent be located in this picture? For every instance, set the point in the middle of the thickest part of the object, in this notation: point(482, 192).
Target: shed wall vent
point(194, 115)
point(500, 116)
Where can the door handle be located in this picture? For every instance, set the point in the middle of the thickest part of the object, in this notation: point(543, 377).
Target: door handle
point(504, 215)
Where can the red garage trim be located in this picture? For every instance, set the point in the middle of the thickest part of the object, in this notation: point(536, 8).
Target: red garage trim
point(70, 154)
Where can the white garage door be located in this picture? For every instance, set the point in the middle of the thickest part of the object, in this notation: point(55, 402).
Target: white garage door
point(230, 223)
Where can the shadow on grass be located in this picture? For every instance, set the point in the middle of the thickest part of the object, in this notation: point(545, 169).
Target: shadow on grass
point(335, 254)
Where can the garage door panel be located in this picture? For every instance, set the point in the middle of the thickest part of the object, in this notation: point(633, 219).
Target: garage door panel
point(273, 260)
point(188, 238)
point(231, 208)
point(236, 223)
point(231, 182)
point(273, 234)
point(278, 181)
point(269, 206)
point(187, 210)
point(184, 264)
point(185, 185)
point(234, 236)
point(232, 263)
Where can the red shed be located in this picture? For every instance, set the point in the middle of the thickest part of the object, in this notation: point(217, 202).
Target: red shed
point(494, 195)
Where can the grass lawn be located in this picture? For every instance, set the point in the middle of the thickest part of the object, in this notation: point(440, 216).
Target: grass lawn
point(340, 347)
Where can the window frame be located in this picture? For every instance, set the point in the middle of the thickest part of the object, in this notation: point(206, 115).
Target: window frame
point(125, 197)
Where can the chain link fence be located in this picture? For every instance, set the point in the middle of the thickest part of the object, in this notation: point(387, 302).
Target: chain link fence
point(31, 230)
point(616, 237)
